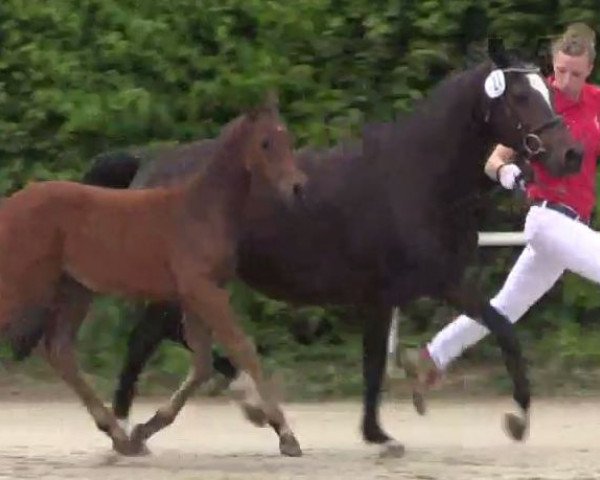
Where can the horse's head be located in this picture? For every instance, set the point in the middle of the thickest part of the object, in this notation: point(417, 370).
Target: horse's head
point(518, 108)
point(268, 153)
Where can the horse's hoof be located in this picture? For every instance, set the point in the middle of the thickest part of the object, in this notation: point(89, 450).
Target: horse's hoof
point(289, 446)
point(125, 448)
point(143, 450)
point(254, 415)
point(392, 449)
point(419, 402)
point(137, 443)
point(515, 426)
point(139, 450)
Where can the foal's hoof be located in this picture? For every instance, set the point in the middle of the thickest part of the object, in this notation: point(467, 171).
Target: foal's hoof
point(392, 449)
point(515, 426)
point(254, 414)
point(131, 449)
point(137, 440)
point(289, 446)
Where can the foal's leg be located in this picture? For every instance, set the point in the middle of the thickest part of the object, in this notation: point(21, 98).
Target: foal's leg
point(199, 339)
point(71, 307)
point(211, 304)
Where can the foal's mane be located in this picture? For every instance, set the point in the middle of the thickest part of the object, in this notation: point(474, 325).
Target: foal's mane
point(232, 133)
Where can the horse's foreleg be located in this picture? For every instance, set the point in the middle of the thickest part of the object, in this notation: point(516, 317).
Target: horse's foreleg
point(505, 334)
point(375, 336)
point(71, 307)
point(211, 304)
point(199, 339)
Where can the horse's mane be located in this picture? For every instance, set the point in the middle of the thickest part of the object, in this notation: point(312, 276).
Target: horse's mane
point(232, 130)
point(456, 87)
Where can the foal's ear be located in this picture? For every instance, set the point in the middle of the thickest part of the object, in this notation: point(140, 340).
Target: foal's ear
point(497, 52)
point(252, 113)
point(269, 104)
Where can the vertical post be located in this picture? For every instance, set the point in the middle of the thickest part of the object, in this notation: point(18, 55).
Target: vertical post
point(392, 345)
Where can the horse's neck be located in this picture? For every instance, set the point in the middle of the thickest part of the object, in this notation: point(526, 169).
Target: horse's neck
point(458, 134)
point(221, 192)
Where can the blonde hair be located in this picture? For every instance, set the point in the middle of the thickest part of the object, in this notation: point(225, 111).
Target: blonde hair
point(578, 39)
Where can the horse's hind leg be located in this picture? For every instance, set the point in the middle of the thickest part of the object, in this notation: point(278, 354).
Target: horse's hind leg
point(199, 339)
point(72, 304)
point(211, 304)
point(156, 322)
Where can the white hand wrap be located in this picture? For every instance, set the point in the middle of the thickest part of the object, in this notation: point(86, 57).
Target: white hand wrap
point(507, 175)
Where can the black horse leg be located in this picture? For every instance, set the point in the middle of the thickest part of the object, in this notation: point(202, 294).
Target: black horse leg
point(156, 322)
point(505, 334)
point(171, 315)
point(375, 337)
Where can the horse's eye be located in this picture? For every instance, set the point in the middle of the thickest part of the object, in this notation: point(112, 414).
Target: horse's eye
point(520, 94)
point(521, 97)
point(265, 144)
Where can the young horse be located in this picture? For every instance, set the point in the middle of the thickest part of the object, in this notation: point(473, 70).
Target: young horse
point(387, 219)
point(175, 243)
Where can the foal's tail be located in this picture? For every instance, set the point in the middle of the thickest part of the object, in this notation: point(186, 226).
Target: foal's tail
point(112, 170)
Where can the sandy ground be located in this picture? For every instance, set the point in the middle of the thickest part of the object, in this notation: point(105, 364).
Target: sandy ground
point(458, 439)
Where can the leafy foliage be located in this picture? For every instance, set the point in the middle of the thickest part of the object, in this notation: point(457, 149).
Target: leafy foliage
point(80, 77)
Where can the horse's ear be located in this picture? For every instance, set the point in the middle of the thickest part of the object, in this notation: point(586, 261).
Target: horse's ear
point(271, 102)
point(543, 55)
point(252, 113)
point(497, 52)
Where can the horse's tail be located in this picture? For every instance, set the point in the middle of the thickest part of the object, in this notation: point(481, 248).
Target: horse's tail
point(113, 169)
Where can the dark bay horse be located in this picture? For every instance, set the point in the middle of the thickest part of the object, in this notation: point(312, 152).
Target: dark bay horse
point(165, 244)
point(389, 218)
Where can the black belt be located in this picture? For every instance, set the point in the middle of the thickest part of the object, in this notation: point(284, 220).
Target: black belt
point(561, 208)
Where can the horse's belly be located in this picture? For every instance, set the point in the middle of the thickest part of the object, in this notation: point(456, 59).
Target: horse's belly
point(121, 277)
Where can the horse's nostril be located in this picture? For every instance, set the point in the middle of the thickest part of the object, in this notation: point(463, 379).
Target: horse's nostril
point(297, 189)
point(573, 159)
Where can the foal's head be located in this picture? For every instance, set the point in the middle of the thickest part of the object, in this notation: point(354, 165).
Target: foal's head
point(267, 151)
point(518, 108)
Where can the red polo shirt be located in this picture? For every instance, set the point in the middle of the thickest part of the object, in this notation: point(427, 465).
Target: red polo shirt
point(582, 118)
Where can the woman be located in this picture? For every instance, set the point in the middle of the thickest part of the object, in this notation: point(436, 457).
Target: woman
point(557, 225)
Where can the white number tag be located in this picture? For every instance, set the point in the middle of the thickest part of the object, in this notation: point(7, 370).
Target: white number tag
point(495, 84)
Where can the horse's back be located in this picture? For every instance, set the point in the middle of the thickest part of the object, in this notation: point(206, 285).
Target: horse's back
point(109, 240)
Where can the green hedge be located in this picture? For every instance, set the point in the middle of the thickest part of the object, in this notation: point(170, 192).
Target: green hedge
point(81, 77)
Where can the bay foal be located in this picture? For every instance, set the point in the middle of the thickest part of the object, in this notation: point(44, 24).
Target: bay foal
point(175, 243)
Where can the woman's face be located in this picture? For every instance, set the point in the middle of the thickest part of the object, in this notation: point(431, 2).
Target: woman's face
point(571, 73)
